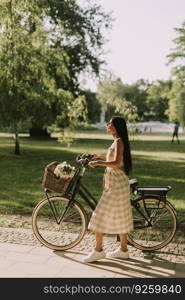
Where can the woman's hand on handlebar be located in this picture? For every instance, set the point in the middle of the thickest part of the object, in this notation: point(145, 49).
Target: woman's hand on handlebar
point(84, 159)
point(89, 160)
point(93, 164)
point(96, 156)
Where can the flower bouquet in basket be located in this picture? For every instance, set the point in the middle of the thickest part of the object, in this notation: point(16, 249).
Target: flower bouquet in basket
point(64, 170)
point(57, 176)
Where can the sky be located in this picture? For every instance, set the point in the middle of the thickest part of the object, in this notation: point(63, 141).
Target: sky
point(141, 38)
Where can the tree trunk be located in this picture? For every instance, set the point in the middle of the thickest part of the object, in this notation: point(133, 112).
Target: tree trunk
point(36, 132)
point(17, 144)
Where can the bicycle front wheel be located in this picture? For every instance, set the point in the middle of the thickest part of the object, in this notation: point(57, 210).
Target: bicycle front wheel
point(59, 224)
point(161, 229)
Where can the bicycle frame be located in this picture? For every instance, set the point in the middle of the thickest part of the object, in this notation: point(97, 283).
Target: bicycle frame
point(149, 217)
point(76, 187)
point(134, 204)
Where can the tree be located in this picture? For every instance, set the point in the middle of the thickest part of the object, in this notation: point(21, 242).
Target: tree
point(157, 100)
point(26, 87)
point(111, 97)
point(136, 93)
point(93, 106)
point(79, 32)
point(44, 45)
point(176, 109)
point(178, 54)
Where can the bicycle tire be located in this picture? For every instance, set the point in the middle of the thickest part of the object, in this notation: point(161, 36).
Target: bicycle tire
point(61, 236)
point(164, 224)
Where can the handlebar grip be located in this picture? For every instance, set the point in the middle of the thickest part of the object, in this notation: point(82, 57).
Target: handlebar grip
point(78, 158)
point(84, 159)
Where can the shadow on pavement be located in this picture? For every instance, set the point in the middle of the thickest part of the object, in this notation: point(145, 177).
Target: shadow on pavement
point(154, 267)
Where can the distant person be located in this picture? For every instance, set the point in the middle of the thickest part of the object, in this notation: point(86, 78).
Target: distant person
point(176, 132)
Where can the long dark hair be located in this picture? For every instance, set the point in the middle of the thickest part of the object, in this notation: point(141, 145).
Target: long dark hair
point(121, 129)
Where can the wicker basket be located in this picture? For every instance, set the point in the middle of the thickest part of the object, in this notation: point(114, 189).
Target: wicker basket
point(53, 183)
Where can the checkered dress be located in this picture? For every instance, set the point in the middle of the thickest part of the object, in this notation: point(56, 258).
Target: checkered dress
point(113, 213)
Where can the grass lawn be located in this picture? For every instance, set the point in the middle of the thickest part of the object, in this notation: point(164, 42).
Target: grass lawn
point(156, 162)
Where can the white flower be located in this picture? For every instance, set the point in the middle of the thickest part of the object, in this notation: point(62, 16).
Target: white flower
point(64, 170)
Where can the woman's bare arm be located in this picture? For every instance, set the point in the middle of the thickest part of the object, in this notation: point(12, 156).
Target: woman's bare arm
point(118, 154)
point(96, 156)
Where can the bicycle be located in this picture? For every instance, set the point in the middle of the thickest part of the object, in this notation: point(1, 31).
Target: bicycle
point(60, 222)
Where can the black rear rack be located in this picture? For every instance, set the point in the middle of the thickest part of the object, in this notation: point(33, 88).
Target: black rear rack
point(153, 190)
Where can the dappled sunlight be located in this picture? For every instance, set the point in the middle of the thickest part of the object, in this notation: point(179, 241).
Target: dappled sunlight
point(155, 163)
point(167, 179)
point(172, 156)
point(157, 137)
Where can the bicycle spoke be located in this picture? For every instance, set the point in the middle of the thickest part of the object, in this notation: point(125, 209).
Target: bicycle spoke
point(56, 211)
point(164, 213)
point(64, 234)
point(158, 230)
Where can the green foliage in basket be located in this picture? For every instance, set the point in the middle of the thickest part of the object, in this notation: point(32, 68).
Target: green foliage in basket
point(64, 170)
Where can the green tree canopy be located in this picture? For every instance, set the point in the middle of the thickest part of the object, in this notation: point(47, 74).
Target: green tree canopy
point(176, 109)
point(177, 56)
point(44, 45)
point(93, 106)
point(112, 97)
point(157, 100)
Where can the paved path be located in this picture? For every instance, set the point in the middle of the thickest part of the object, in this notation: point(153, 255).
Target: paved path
point(21, 255)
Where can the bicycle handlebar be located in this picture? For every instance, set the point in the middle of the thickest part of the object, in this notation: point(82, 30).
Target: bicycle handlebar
point(84, 159)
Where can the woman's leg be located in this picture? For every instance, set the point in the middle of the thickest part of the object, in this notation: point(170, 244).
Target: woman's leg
point(123, 241)
point(121, 252)
point(98, 252)
point(99, 241)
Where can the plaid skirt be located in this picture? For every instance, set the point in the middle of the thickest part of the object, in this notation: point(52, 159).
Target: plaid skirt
point(113, 213)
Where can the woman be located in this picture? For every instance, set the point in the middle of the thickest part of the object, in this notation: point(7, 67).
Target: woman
point(113, 214)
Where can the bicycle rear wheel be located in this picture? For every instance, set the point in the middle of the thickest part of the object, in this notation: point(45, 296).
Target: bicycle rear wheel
point(56, 234)
point(163, 226)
